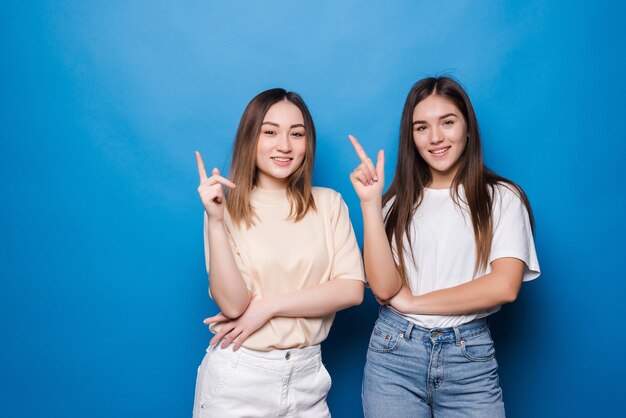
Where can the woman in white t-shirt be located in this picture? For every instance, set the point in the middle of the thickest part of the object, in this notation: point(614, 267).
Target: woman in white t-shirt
point(282, 259)
point(448, 243)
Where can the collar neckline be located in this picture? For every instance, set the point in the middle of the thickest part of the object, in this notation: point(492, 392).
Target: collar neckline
point(273, 197)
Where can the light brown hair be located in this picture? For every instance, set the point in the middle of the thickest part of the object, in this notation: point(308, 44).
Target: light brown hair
point(413, 174)
point(243, 171)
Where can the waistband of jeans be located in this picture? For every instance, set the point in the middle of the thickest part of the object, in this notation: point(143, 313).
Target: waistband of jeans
point(451, 334)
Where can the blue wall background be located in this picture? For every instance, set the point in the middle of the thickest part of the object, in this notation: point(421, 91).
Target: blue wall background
point(103, 103)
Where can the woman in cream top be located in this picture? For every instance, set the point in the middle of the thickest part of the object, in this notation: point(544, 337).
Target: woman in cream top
point(282, 259)
point(276, 257)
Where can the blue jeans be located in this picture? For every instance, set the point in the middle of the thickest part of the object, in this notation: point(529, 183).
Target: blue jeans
point(441, 372)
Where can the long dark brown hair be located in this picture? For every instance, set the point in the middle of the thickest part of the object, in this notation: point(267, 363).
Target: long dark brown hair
point(413, 174)
point(243, 171)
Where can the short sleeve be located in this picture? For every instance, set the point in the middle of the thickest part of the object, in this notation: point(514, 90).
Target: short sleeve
point(513, 235)
point(347, 262)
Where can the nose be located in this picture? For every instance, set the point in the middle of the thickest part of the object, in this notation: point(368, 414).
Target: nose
point(283, 143)
point(436, 135)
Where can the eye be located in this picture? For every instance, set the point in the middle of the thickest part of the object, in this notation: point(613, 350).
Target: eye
point(298, 134)
point(420, 128)
point(269, 132)
point(448, 122)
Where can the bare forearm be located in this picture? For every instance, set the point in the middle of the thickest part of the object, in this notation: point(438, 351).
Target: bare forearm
point(320, 300)
point(227, 286)
point(500, 286)
point(380, 268)
point(481, 294)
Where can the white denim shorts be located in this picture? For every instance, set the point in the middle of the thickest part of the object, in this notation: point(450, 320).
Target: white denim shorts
point(249, 383)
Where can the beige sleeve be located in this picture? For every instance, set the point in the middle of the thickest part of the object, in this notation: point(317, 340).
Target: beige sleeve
point(347, 261)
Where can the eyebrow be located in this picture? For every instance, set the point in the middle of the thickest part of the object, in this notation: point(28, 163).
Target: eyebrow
point(440, 118)
point(297, 125)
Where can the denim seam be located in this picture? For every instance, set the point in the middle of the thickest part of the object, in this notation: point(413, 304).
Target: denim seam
point(226, 371)
point(473, 332)
point(384, 350)
point(472, 358)
point(390, 324)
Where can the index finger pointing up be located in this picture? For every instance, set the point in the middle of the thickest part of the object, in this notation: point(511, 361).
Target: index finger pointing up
point(201, 169)
point(358, 148)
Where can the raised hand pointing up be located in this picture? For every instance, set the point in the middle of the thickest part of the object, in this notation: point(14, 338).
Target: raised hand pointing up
point(368, 181)
point(211, 192)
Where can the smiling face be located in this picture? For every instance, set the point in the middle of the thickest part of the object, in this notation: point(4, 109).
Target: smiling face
point(440, 135)
point(281, 146)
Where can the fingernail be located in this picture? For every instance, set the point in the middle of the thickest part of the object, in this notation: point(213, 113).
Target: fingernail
point(375, 178)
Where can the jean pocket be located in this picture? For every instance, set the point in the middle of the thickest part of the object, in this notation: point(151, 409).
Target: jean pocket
point(212, 378)
point(479, 348)
point(384, 338)
point(328, 381)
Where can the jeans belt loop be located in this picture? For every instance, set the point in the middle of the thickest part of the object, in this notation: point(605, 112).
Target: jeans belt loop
point(407, 332)
point(457, 335)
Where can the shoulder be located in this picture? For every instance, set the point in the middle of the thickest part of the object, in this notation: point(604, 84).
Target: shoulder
point(328, 202)
point(510, 199)
point(506, 192)
point(324, 194)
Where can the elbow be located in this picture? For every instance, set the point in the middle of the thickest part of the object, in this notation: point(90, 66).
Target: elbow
point(510, 297)
point(229, 308)
point(354, 293)
point(234, 310)
point(509, 294)
point(357, 296)
point(385, 289)
point(385, 294)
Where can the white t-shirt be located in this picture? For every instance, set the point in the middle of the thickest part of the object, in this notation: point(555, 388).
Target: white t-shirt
point(444, 251)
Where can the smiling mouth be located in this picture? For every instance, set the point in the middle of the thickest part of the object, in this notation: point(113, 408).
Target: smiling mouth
point(282, 159)
point(440, 151)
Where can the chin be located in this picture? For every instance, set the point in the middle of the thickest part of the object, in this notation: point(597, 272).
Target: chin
point(281, 176)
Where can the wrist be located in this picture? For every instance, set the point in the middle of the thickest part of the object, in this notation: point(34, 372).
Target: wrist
point(272, 306)
point(414, 305)
point(215, 223)
point(372, 205)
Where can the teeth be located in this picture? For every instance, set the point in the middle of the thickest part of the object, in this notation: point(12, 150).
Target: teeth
point(440, 151)
point(282, 160)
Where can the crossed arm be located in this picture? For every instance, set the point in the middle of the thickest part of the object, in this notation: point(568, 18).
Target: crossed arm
point(500, 286)
point(241, 315)
point(312, 302)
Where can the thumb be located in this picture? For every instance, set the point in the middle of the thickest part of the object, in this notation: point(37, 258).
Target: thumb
point(215, 172)
point(380, 164)
point(220, 317)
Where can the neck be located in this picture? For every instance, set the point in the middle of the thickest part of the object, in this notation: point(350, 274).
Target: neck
point(441, 180)
point(268, 183)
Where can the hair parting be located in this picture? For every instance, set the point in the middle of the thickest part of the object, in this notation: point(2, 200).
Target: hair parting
point(243, 171)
